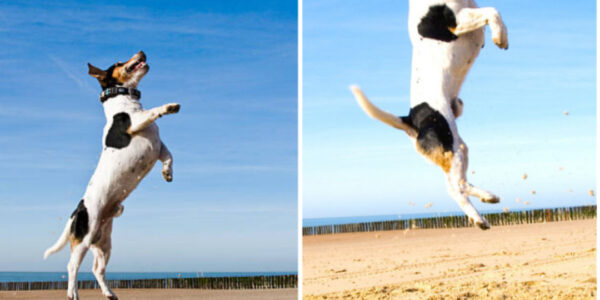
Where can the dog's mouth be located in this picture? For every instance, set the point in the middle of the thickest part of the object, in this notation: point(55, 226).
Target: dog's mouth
point(137, 62)
point(136, 65)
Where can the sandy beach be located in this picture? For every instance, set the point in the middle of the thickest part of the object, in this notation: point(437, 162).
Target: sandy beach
point(535, 261)
point(151, 294)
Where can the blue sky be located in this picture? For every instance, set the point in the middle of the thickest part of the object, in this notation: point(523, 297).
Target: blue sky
point(233, 67)
point(513, 120)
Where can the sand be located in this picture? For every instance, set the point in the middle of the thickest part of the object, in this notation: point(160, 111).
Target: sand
point(536, 261)
point(151, 294)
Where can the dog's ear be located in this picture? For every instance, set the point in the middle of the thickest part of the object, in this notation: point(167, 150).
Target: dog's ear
point(96, 72)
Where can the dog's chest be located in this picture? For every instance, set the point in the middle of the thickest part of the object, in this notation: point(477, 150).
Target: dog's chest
point(439, 66)
point(127, 149)
point(125, 159)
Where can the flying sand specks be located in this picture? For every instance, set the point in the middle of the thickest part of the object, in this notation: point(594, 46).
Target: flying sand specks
point(524, 176)
point(591, 192)
point(428, 205)
point(518, 200)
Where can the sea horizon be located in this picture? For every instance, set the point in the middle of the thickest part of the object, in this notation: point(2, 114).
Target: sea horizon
point(23, 276)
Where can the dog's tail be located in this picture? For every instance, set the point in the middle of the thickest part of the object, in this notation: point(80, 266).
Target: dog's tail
point(62, 240)
point(378, 114)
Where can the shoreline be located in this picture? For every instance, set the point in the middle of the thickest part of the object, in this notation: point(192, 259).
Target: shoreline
point(517, 262)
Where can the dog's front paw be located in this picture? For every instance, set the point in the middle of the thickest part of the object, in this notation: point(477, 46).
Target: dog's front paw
point(172, 108)
point(500, 36)
point(167, 174)
point(499, 32)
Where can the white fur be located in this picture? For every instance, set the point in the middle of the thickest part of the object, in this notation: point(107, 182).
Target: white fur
point(61, 242)
point(438, 71)
point(117, 174)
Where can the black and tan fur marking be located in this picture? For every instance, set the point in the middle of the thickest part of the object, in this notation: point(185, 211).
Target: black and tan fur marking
point(118, 172)
point(117, 136)
point(115, 75)
point(434, 139)
point(79, 226)
point(437, 22)
point(108, 78)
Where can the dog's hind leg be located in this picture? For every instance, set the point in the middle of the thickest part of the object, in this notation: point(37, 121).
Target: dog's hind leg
point(167, 160)
point(456, 184)
point(469, 19)
point(484, 195)
point(142, 119)
point(77, 255)
point(101, 251)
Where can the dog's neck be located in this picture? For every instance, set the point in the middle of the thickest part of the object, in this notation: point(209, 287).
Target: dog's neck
point(119, 90)
point(121, 103)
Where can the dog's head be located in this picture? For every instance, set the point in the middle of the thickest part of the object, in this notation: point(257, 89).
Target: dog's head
point(126, 74)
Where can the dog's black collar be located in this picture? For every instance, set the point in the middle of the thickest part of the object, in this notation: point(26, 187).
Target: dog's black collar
point(114, 91)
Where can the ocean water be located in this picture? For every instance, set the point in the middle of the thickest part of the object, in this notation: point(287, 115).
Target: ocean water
point(62, 276)
point(310, 222)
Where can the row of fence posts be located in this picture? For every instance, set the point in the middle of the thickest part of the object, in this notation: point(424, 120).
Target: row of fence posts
point(225, 283)
point(495, 219)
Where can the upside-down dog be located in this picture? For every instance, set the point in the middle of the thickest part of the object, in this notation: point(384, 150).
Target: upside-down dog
point(446, 36)
point(131, 146)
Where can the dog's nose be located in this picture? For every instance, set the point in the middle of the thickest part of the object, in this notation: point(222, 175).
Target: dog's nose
point(142, 54)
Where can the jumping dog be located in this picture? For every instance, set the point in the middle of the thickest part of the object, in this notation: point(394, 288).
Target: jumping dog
point(446, 36)
point(131, 147)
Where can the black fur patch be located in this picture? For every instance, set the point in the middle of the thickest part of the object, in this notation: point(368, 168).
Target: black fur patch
point(436, 23)
point(80, 226)
point(433, 128)
point(117, 136)
point(109, 81)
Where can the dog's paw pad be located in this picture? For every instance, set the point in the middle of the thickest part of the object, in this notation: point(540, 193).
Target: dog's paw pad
point(492, 199)
point(173, 108)
point(483, 225)
point(500, 37)
point(167, 175)
point(501, 43)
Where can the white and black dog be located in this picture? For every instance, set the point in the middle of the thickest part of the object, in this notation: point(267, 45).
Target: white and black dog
point(447, 36)
point(131, 147)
